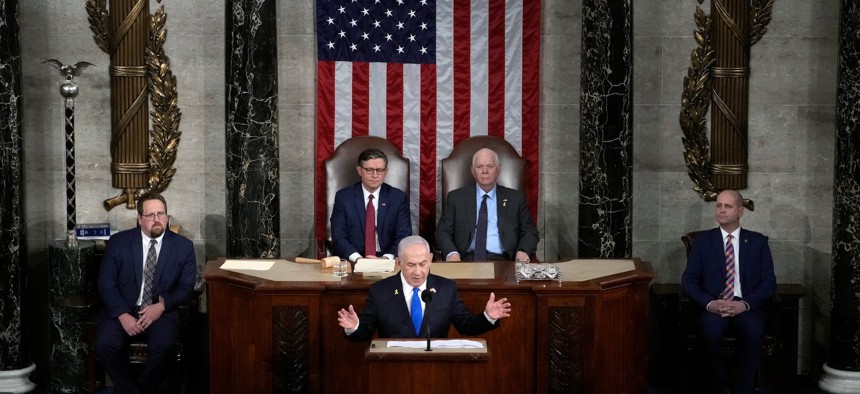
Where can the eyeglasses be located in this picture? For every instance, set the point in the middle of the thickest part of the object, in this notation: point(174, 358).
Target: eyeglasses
point(155, 216)
point(371, 171)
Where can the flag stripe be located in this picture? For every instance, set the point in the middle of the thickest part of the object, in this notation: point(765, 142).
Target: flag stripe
point(412, 136)
point(342, 102)
point(462, 70)
point(513, 74)
point(378, 103)
point(325, 138)
point(394, 106)
point(531, 98)
point(360, 97)
point(478, 100)
point(496, 49)
point(427, 206)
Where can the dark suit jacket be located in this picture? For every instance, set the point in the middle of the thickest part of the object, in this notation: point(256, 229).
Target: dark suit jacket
point(385, 311)
point(704, 278)
point(457, 224)
point(121, 274)
point(393, 222)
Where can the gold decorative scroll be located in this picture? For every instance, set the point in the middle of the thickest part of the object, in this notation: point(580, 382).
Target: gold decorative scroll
point(141, 159)
point(719, 74)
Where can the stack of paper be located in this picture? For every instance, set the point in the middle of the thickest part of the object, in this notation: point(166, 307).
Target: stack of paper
point(374, 265)
point(439, 344)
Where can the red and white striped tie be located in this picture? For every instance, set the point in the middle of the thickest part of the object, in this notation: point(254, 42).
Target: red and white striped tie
point(729, 291)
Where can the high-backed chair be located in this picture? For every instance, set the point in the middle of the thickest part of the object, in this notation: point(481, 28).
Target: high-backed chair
point(340, 170)
point(456, 168)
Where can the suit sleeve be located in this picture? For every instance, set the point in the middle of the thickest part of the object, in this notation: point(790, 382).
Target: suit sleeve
point(367, 320)
point(340, 230)
point(403, 227)
point(445, 229)
point(692, 280)
point(761, 294)
point(528, 237)
point(466, 322)
point(109, 280)
point(187, 262)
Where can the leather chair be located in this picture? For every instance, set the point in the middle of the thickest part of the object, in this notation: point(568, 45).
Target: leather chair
point(457, 172)
point(340, 170)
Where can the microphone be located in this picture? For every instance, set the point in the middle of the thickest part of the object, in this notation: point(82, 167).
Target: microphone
point(427, 297)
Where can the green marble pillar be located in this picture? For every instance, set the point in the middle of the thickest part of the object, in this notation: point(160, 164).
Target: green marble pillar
point(73, 278)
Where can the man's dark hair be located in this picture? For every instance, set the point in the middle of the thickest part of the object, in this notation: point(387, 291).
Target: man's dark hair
point(149, 196)
point(370, 154)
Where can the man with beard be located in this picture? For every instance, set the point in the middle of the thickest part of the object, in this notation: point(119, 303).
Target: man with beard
point(146, 273)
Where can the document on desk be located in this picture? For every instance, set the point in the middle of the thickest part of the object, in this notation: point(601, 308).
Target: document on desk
point(254, 265)
point(374, 265)
point(439, 344)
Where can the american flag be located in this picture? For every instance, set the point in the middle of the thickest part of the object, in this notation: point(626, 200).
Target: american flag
point(425, 75)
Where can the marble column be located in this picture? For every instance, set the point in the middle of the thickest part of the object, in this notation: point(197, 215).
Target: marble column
point(842, 371)
point(253, 216)
point(73, 278)
point(15, 365)
point(606, 131)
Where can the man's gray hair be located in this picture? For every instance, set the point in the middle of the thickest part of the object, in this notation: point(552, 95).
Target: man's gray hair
point(412, 240)
point(492, 152)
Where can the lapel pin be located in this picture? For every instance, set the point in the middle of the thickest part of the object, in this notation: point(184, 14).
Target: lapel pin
point(505, 202)
point(395, 292)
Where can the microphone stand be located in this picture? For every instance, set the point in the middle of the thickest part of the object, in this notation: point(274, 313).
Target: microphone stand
point(427, 297)
point(427, 328)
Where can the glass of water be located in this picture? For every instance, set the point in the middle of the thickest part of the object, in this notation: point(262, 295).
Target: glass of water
point(551, 271)
point(339, 268)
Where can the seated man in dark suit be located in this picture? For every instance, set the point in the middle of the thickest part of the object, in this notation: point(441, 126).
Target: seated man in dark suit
point(394, 305)
point(142, 298)
point(730, 275)
point(486, 221)
point(354, 233)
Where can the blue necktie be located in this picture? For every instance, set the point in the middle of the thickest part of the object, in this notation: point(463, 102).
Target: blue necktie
point(416, 310)
point(480, 252)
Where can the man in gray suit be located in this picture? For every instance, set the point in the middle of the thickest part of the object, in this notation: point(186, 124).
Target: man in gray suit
point(486, 221)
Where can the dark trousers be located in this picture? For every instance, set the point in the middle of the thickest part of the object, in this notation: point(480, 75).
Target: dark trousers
point(749, 328)
point(112, 348)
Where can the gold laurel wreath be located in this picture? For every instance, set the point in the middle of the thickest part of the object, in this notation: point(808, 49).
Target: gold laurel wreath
point(696, 97)
point(165, 116)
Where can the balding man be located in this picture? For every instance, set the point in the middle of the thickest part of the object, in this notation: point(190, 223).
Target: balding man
point(486, 221)
point(730, 275)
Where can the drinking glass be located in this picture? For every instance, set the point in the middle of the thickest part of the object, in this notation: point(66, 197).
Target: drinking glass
point(339, 268)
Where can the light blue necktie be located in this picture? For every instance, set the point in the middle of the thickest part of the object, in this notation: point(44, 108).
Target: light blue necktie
point(416, 310)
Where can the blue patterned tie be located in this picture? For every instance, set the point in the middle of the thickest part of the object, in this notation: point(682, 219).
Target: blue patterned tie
point(480, 252)
point(416, 310)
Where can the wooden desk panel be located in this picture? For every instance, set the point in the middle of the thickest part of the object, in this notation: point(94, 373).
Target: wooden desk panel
point(568, 337)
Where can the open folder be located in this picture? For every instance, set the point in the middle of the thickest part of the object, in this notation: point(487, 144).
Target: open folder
point(374, 265)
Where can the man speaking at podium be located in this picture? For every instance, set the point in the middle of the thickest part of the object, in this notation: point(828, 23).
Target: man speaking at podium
point(395, 308)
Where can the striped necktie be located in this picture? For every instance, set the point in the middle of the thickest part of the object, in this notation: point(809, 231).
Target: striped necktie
point(729, 291)
point(149, 274)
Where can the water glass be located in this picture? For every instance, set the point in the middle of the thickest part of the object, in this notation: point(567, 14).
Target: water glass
point(551, 271)
point(339, 268)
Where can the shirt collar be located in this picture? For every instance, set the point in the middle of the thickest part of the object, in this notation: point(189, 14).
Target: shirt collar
point(735, 234)
point(480, 192)
point(367, 193)
point(147, 239)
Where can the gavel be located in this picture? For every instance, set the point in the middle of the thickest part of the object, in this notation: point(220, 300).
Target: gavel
point(326, 262)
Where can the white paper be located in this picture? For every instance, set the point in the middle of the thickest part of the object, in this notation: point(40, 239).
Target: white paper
point(439, 344)
point(255, 265)
point(374, 265)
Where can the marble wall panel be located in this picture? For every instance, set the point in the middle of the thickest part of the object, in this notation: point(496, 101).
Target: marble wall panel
point(665, 18)
point(802, 18)
point(675, 60)
point(297, 213)
point(814, 140)
point(559, 138)
point(298, 18)
point(561, 202)
point(560, 62)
